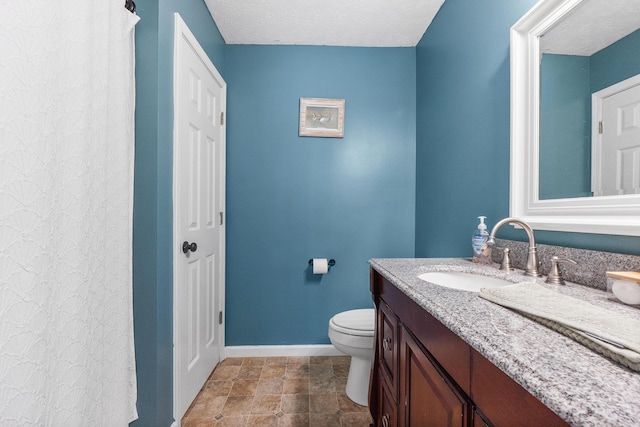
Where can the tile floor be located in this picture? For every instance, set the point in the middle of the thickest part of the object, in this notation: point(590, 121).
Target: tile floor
point(279, 392)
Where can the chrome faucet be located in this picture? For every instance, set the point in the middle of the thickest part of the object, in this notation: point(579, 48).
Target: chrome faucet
point(531, 268)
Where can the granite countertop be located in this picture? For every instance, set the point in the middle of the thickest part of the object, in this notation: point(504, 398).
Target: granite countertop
point(579, 385)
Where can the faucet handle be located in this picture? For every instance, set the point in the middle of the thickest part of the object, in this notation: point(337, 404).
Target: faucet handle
point(555, 276)
point(506, 259)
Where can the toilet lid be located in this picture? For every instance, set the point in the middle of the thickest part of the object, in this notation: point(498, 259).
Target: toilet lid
point(355, 322)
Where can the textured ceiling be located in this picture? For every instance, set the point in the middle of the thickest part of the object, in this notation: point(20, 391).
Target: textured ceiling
point(374, 23)
point(592, 26)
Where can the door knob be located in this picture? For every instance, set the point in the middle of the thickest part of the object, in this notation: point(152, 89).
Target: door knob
point(186, 247)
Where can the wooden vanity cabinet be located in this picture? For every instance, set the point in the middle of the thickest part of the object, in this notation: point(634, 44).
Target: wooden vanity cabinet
point(425, 375)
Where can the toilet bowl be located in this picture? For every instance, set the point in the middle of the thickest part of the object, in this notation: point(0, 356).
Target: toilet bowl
point(352, 332)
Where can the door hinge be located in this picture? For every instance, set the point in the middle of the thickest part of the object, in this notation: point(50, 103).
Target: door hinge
point(222, 118)
point(600, 127)
point(220, 318)
point(221, 218)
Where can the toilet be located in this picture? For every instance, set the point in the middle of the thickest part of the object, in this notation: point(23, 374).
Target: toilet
point(352, 332)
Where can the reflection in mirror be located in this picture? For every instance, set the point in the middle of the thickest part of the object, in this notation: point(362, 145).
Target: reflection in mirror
point(606, 214)
point(584, 58)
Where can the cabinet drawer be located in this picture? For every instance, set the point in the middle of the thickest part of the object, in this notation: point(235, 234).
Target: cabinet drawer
point(388, 348)
point(388, 415)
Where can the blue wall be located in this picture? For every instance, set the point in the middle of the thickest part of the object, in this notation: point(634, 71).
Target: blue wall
point(615, 63)
point(292, 198)
point(565, 127)
point(152, 284)
point(145, 211)
point(462, 133)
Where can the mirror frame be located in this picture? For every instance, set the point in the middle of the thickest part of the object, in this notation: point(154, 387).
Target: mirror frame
point(603, 214)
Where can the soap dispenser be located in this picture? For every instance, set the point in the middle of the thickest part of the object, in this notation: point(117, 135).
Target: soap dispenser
point(481, 251)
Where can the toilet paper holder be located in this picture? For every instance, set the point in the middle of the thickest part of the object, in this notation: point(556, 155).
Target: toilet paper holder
point(331, 262)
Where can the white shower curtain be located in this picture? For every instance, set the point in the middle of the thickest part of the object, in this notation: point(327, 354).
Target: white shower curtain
point(66, 198)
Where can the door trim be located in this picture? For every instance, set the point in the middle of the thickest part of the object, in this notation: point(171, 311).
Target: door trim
point(181, 31)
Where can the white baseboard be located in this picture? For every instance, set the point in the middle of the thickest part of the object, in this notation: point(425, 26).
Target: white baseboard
point(282, 350)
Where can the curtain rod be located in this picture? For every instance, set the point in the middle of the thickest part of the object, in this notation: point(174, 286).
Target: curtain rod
point(130, 6)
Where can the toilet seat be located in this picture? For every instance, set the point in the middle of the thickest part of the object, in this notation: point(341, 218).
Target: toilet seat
point(355, 322)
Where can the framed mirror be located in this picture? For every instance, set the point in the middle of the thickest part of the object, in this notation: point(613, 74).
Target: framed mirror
point(562, 67)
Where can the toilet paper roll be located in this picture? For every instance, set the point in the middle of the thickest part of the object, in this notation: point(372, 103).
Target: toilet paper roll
point(320, 266)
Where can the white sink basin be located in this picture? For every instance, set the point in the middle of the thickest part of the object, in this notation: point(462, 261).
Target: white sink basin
point(463, 281)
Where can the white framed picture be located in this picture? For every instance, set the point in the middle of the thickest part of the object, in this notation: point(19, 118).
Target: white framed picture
point(323, 117)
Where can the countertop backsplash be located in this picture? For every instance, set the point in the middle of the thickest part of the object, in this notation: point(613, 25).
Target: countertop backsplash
point(589, 270)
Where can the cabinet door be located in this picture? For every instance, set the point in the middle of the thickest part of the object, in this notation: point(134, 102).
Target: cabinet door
point(388, 348)
point(428, 397)
point(478, 420)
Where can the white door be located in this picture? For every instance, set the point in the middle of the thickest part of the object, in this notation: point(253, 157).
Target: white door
point(617, 153)
point(199, 198)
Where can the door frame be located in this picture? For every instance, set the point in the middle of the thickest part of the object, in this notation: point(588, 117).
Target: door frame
point(597, 99)
point(181, 30)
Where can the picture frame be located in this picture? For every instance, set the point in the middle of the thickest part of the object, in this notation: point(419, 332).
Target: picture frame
point(321, 117)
